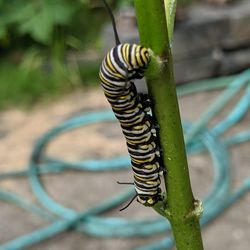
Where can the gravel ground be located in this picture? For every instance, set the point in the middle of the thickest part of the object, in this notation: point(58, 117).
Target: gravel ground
point(19, 130)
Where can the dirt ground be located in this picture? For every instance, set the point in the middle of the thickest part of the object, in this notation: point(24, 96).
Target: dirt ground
point(19, 130)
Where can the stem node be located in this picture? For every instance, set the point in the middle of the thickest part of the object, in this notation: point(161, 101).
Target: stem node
point(197, 212)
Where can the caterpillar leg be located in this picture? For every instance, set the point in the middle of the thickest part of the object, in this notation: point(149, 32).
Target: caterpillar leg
point(145, 101)
point(156, 127)
point(162, 170)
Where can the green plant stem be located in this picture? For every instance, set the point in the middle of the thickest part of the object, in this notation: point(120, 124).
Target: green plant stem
point(181, 209)
point(170, 6)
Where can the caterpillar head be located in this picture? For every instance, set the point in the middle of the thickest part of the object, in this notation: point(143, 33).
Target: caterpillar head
point(138, 59)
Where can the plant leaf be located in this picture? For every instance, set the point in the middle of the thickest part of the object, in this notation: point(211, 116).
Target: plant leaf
point(43, 18)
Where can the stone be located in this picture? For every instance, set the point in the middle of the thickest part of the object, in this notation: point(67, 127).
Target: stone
point(194, 39)
point(219, 1)
point(197, 68)
point(235, 61)
point(238, 34)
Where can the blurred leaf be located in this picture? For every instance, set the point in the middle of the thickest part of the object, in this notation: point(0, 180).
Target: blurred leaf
point(125, 3)
point(20, 13)
point(39, 27)
point(2, 31)
point(62, 10)
point(32, 59)
point(38, 18)
point(73, 42)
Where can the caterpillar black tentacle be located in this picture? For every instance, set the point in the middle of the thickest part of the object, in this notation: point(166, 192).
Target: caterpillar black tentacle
point(128, 203)
point(123, 64)
point(113, 22)
point(124, 183)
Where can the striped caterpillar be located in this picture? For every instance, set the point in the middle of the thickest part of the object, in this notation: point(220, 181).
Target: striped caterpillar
point(123, 64)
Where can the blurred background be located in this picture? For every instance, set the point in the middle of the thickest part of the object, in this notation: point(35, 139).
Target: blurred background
point(51, 51)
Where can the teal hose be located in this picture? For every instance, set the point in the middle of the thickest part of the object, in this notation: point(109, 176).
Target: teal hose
point(199, 137)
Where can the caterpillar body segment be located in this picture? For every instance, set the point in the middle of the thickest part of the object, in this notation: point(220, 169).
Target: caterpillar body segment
point(123, 64)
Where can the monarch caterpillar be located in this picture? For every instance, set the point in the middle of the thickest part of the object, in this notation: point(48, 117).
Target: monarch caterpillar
point(123, 64)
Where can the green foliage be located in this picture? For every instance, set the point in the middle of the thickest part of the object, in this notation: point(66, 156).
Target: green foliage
point(35, 37)
point(44, 14)
point(124, 3)
point(32, 81)
point(38, 19)
point(15, 87)
point(89, 71)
